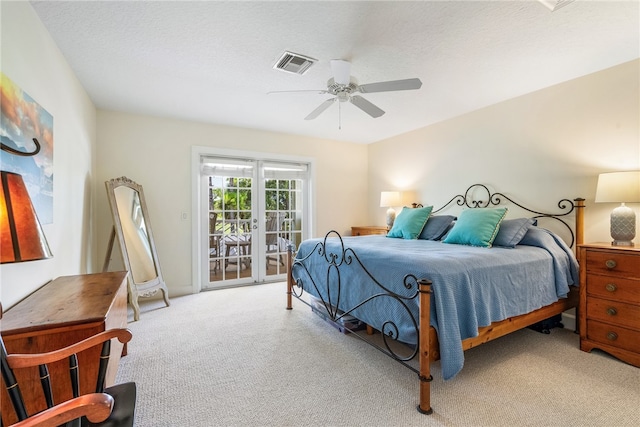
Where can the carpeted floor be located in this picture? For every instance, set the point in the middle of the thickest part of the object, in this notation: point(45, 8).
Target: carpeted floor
point(236, 357)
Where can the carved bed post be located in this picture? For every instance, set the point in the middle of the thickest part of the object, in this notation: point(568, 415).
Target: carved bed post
point(579, 203)
point(424, 288)
point(289, 276)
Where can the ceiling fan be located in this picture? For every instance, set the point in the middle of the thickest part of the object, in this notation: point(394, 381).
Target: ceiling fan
point(343, 87)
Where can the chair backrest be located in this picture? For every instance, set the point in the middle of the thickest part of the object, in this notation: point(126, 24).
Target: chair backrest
point(17, 362)
point(214, 235)
point(273, 226)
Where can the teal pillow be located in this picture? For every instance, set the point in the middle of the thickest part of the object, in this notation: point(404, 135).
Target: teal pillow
point(476, 227)
point(410, 222)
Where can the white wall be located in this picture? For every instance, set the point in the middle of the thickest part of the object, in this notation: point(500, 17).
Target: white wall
point(156, 153)
point(32, 61)
point(540, 147)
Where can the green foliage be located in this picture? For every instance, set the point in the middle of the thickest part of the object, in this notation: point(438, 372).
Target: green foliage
point(235, 195)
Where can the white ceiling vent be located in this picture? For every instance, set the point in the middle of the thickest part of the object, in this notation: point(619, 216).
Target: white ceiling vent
point(294, 63)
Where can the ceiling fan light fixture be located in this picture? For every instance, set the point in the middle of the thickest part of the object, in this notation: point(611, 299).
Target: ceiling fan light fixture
point(343, 96)
point(554, 5)
point(335, 88)
point(294, 63)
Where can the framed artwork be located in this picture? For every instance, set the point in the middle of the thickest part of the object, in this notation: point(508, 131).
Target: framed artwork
point(22, 120)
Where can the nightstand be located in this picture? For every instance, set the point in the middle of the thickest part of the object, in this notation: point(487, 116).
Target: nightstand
point(368, 229)
point(609, 309)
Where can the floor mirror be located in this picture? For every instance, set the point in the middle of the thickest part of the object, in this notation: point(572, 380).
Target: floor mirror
point(132, 226)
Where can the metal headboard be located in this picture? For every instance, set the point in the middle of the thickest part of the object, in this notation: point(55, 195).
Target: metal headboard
point(480, 196)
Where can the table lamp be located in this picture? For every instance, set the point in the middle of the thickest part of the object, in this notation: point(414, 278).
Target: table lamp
point(620, 187)
point(389, 199)
point(21, 235)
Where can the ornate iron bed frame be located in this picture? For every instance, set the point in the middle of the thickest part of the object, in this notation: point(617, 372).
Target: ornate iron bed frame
point(427, 348)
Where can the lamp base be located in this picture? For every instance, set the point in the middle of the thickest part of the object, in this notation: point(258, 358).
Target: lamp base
point(623, 226)
point(391, 217)
point(622, 243)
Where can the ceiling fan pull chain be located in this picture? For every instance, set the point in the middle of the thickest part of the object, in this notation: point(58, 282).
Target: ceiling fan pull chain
point(339, 115)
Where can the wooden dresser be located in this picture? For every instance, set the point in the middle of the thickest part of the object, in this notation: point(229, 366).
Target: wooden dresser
point(610, 300)
point(62, 312)
point(366, 230)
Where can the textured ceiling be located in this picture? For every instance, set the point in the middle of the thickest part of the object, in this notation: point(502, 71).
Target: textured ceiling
point(211, 61)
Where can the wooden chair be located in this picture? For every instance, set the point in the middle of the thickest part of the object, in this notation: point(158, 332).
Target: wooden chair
point(107, 407)
point(273, 231)
point(215, 240)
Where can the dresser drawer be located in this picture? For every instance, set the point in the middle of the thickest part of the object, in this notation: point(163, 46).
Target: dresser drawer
point(614, 312)
point(616, 336)
point(614, 288)
point(617, 263)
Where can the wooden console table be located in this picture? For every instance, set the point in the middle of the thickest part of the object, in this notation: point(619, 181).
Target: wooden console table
point(62, 312)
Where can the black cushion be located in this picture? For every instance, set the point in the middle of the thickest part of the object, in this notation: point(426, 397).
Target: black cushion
point(124, 406)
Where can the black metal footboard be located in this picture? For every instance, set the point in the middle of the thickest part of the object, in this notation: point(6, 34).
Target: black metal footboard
point(321, 274)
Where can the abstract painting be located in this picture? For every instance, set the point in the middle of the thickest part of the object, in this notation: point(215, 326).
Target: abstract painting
point(22, 120)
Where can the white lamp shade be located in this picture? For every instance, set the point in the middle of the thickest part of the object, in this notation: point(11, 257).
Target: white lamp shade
point(389, 199)
point(618, 187)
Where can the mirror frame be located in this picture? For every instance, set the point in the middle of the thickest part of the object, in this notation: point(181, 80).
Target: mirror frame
point(141, 289)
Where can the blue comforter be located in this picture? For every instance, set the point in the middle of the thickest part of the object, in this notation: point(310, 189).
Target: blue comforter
point(472, 287)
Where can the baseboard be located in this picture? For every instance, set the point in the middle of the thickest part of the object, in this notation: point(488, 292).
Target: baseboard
point(180, 291)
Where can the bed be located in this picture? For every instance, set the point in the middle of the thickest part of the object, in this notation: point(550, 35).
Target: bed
point(470, 277)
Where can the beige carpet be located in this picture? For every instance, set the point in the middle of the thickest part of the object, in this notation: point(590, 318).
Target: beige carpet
point(236, 357)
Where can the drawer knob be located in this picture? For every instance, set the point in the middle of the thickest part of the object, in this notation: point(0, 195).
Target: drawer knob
point(611, 311)
point(611, 287)
point(611, 264)
point(612, 336)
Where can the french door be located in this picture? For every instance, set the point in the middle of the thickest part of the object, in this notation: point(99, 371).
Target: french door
point(252, 210)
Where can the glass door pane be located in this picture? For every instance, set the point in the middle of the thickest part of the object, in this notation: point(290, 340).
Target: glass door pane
point(283, 209)
point(230, 214)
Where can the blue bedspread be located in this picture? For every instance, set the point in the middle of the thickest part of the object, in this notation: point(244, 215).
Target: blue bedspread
point(472, 287)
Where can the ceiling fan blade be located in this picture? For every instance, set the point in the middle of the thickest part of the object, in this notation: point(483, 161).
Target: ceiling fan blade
point(319, 91)
point(366, 106)
point(315, 113)
point(407, 84)
point(341, 70)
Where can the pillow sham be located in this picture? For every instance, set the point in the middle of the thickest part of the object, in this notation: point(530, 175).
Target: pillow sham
point(512, 231)
point(410, 222)
point(436, 227)
point(476, 227)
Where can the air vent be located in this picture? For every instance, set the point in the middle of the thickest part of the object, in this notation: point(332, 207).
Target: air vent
point(294, 63)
